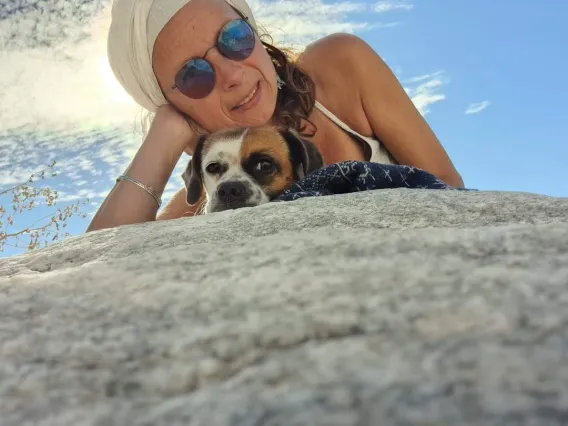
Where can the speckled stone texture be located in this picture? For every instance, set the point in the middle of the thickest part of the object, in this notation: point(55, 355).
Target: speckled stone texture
point(392, 307)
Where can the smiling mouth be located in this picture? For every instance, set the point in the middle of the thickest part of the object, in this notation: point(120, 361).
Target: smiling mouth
point(248, 98)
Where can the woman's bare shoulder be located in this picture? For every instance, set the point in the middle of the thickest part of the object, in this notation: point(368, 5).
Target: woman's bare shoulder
point(336, 56)
point(333, 64)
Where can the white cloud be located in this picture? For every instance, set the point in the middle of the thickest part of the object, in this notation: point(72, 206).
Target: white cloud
point(59, 84)
point(476, 107)
point(387, 6)
point(298, 22)
point(78, 195)
point(425, 90)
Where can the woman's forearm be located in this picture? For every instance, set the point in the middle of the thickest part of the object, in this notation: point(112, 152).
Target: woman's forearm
point(152, 165)
point(127, 203)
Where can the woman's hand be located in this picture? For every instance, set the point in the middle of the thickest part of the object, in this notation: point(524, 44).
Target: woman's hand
point(171, 126)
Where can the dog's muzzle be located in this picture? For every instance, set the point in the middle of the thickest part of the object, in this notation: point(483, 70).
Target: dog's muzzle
point(233, 195)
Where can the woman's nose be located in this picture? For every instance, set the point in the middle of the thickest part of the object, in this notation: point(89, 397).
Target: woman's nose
point(230, 73)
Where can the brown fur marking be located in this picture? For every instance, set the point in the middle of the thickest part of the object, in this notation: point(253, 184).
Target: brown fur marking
point(267, 139)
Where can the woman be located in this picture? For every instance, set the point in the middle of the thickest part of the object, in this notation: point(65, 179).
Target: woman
point(201, 66)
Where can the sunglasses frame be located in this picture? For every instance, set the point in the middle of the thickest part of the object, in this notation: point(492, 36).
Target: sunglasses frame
point(216, 45)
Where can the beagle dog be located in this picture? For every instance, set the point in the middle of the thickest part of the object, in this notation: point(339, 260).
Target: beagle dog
point(246, 167)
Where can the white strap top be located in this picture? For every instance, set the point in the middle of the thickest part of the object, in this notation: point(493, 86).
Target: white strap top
point(378, 152)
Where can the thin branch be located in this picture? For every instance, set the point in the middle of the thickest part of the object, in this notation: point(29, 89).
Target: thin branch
point(4, 236)
point(2, 192)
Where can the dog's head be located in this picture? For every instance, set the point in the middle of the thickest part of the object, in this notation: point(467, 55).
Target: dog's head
point(248, 166)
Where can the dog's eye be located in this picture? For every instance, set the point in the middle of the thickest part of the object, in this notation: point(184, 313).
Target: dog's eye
point(265, 167)
point(213, 168)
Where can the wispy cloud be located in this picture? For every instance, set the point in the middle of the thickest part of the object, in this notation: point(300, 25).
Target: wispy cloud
point(387, 6)
point(425, 90)
point(61, 86)
point(298, 22)
point(477, 107)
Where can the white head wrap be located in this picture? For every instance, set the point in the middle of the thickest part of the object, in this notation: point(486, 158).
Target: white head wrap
point(135, 25)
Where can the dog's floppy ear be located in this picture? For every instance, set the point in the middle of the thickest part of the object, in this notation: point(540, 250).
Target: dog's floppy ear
point(192, 174)
point(305, 156)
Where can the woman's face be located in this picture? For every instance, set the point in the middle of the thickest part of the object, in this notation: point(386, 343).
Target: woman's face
point(191, 33)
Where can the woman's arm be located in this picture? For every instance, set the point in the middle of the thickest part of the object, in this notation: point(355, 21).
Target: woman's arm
point(153, 164)
point(393, 117)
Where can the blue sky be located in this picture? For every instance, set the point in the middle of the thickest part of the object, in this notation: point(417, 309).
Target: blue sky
point(488, 76)
point(507, 53)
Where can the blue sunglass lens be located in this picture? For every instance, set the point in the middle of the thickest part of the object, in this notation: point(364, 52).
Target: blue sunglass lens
point(195, 79)
point(236, 40)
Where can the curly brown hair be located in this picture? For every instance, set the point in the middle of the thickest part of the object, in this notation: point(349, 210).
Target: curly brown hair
point(296, 99)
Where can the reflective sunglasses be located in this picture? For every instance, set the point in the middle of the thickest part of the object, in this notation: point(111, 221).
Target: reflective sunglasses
point(196, 78)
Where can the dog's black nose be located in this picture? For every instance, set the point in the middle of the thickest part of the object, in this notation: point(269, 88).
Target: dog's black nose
point(233, 192)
